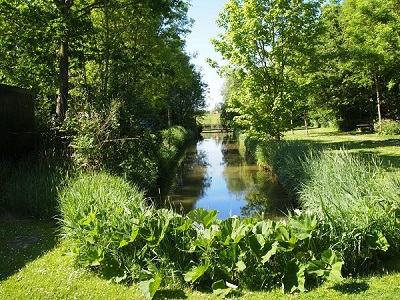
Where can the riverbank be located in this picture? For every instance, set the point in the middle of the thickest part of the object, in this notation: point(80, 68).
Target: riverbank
point(50, 275)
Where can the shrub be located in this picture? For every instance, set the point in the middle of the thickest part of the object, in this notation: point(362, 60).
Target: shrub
point(114, 232)
point(389, 127)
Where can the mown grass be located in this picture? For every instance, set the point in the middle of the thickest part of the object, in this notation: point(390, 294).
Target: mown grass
point(210, 119)
point(41, 270)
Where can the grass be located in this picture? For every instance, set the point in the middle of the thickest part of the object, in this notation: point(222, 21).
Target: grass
point(385, 147)
point(50, 274)
point(34, 265)
point(210, 119)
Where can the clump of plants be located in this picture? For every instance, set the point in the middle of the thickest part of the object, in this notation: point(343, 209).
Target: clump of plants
point(389, 127)
point(357, 203)
point(114, 232)
point(28, 186)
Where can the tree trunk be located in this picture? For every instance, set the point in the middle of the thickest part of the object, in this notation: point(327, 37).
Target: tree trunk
point(62, 98)
point(64, 7)
point(378, 101)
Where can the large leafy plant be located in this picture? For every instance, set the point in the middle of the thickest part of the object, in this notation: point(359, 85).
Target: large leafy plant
point(115, 233)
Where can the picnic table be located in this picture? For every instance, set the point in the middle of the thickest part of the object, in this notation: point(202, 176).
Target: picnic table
point(364, 127)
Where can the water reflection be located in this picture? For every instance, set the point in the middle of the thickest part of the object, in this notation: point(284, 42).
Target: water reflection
point(214, 175)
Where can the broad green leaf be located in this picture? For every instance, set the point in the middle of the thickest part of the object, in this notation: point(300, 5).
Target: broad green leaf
point(377, 241)
point(271, 251)
point(187, 224)
point(303, 225)
point(294, 277)
point(335, 263)
point(150, 287)
point(220, 289)
point(195, 273)
point(202, 216)
point(317, 267)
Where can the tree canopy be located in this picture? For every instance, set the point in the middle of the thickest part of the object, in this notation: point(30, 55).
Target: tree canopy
point(292, 60)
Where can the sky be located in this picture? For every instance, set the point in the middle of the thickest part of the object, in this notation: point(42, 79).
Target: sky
point(204, 13)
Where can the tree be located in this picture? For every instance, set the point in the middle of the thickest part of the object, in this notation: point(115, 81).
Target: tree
point(371, 38)
point(264, 43)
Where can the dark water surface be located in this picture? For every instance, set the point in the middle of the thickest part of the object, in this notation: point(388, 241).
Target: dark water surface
point(214, 175)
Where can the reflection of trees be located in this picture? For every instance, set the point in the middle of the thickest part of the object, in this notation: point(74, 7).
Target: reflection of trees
point(191, 180)
point(239, 171)
point(260, 189)
point(269, 198)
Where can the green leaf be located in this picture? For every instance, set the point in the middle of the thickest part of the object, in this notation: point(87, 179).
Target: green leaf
point(294, 277)
point(317, 267)
point(150, 287)
point(335, 263)
point(220, 289)
point(195, 273)
point(302, 226)
point(272, 251)
point(202, 216)
point(240, 266)
point(185, 226)
point(377, 241)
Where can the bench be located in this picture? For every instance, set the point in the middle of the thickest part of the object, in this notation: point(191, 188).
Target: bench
point(364, 127)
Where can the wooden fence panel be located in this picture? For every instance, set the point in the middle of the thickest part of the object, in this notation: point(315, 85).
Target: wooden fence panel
point(16, 120)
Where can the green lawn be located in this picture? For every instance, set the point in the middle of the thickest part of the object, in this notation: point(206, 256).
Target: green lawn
point(33, 264)
point(210, 119)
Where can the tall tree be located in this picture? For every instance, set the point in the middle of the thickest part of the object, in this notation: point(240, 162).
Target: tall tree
point(372, 39)
point(264, 42)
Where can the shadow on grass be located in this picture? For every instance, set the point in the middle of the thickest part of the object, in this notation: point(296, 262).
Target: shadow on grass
point(170, 294)
point(23, 241)
point(389, 157)
point(351, 287)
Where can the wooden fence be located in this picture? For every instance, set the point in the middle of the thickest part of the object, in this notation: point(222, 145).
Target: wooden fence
point(16, 120)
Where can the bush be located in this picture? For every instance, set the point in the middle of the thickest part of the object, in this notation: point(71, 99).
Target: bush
point(114, 232)
point(389, 127)
point(357, 204)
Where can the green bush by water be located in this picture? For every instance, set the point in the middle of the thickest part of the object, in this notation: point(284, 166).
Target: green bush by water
point(114, 232)
point(358, 204)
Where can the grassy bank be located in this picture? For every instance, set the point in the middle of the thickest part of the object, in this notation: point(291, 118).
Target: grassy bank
point(107, 235)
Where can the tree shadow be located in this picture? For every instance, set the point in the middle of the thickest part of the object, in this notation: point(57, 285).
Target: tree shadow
point(351, 287)
point(389, 158)
point(170, 294)
point(23, 241)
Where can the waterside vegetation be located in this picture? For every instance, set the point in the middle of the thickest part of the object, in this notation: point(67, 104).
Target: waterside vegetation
point(109, 230)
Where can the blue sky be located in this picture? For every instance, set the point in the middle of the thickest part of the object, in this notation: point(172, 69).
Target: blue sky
point(204, 13)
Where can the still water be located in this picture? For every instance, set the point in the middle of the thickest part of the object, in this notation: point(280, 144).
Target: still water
point(214, 175)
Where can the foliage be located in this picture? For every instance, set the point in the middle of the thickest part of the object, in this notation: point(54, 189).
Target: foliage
point(354, 200)
point(266, 44)
point(94, 55)
point(28, 187)
point(357, 203)
point(389, 127)
point(115, 233)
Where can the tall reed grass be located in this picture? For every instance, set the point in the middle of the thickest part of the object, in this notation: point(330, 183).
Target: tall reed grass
point(357, 202)
point(28, 187)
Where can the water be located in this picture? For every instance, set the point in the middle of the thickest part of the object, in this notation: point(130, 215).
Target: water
point(214, 175)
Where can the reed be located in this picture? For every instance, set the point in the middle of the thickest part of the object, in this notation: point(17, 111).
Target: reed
point(358, 204)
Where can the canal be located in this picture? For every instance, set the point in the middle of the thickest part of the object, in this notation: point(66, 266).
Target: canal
point(215, 174)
